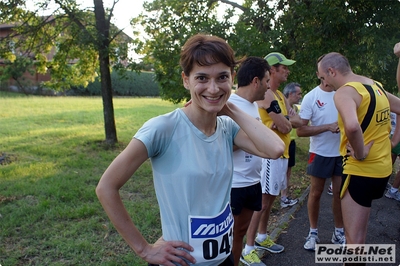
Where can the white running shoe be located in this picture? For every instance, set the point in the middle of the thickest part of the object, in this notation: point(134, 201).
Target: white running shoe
point(311, 240)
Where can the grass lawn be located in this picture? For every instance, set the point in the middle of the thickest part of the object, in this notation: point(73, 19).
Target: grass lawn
point(51, 158)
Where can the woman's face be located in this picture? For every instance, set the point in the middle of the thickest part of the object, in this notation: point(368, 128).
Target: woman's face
point(209, 86)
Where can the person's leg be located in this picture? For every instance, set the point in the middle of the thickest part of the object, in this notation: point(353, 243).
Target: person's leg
point(338, 236)
point(336, 203)
point(273, 180)
point(355, 220)
point(393, 190)
point(396, 181)
point(244, 202)
point(242, 222)
point(291, 162)
point(263, 241)
point(287, 201)
point(268, 201)
point(284, 191)
point(314, 197)
point(265, 182)
point(253, 225)
point(313, 204)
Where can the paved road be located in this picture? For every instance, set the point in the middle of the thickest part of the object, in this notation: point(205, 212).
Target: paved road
point(384, 228)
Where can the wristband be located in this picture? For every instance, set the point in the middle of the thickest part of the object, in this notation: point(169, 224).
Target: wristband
point(274, 107)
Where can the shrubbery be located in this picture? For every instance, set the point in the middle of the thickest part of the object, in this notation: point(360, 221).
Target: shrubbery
point(126, 84)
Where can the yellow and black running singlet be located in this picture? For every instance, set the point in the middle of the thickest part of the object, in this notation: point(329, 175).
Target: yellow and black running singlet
point(374, 118)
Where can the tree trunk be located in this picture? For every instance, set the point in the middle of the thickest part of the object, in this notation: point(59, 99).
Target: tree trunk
point(103, 42)
point(108, 107)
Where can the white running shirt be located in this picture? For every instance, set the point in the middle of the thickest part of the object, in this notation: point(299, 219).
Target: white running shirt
point(247, 167)
point(319, 108)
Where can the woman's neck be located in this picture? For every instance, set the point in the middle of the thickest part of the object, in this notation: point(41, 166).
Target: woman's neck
point(204, 121)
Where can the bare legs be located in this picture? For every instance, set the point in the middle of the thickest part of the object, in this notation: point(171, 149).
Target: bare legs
point(260, 219)
point(242, 222)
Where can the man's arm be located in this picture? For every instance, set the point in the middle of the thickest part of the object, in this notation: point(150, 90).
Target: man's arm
point(281, 123)
point(346, 100)
point(396, 51)
point(294, 117)
point(396, 135)
point(307, 130)
point(395, 108)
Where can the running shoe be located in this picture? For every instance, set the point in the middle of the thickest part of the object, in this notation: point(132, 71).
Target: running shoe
point(288, 202)
point(269, 245)
point(338, 238)
point(251, 259)
point(311, 240)
point(330, 190)
point(395, 195)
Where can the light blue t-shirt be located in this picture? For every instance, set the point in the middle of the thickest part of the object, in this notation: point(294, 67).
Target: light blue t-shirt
point(192, 172)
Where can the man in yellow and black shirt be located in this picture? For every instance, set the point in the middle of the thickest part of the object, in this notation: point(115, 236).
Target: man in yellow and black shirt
point(364, 120)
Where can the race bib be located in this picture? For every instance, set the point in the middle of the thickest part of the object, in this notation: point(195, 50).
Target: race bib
point(211, 237)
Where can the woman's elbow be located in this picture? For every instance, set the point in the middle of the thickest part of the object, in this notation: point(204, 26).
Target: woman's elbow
point(279, 149)
point(102, 189)
point(99, 190)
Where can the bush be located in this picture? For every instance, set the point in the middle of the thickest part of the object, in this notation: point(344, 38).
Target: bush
point(124, 84)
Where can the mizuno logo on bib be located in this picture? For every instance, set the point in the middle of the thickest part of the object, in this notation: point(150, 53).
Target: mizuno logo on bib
point(211, 237)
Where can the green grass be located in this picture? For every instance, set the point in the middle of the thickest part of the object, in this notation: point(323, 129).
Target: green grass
point(49, 213)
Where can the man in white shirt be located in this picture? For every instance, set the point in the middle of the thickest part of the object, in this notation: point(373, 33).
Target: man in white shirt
point(319, 115)
point(252, 77)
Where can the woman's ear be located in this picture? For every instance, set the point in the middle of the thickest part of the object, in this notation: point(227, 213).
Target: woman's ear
point(185, 80)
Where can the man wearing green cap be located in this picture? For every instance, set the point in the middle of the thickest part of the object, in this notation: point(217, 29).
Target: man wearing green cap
point(275, 113)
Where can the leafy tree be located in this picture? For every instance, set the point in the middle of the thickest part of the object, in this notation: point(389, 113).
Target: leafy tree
point(363, 30)
point(83, 41)
point(14, 68)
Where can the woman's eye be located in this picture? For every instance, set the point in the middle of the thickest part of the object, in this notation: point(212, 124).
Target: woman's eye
point(223, 77)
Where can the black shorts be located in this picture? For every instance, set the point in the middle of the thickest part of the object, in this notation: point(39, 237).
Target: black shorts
point(324, 167)
point(292, 153)
point(365, 189)
point(246, 197)
point(227, 262)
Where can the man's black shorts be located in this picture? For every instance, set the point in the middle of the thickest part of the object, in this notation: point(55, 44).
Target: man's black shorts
point(246, 197)
point(292, 153)
point(365, 189)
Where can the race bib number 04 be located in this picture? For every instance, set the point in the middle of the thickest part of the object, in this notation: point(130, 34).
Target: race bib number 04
point(211, 237)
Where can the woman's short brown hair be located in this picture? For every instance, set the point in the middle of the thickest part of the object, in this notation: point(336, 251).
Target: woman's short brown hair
point(206, 50)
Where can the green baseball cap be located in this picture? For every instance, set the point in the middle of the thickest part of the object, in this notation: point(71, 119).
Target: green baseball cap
point(277, 58)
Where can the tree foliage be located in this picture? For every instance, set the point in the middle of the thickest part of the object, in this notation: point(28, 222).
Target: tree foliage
point(83, 41)
point(363, 30)
point(69, 32)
